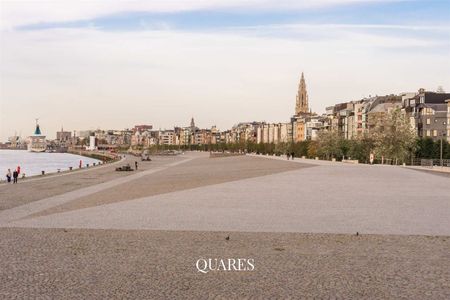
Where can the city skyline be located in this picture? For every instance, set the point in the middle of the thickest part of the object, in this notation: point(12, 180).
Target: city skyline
point(223, 63)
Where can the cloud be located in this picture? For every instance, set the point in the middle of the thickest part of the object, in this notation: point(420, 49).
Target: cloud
point(380, 36)
point(20, 13)
point(84, 78)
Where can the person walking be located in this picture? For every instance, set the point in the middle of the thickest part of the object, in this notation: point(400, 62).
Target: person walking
point(18, 170)
point(287, 155)
point(15, 175)
point(8, 175)
point(136, 165)
point(292, 155)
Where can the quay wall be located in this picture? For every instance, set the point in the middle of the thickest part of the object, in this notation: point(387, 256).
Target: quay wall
point(100, 155)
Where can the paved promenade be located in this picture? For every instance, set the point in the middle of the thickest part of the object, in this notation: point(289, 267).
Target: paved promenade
point(139, 234)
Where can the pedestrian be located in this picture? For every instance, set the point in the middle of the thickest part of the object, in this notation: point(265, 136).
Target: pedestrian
point(18, 170)
point(81, 163)
point(15, 175)
point(292, 155)
point(136, 165)
point(8, 175)
point(287, 155)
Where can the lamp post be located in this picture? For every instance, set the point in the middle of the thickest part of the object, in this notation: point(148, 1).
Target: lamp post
point(442, 137)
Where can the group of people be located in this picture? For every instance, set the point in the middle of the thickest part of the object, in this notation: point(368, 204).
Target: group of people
point(14, 176)
point(290, 155)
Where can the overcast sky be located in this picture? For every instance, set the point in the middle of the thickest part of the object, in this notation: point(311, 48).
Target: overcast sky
point(114, 64)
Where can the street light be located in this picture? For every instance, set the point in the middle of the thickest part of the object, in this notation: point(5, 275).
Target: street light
point(442, 137)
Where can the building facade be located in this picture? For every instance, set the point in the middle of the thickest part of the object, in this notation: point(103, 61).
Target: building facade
point(428, 114)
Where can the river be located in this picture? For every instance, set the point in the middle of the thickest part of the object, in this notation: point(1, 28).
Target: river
point(34, 163)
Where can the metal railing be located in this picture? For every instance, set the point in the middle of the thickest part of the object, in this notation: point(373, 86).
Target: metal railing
point(430, 163)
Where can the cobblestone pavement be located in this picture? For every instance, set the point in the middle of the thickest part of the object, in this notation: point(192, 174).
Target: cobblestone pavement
point(328, 198)
point(92, 246)
point(107, 264)
point(199, 172)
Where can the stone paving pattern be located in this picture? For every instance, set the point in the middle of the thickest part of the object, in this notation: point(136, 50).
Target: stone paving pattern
point(106, 264)
point(200, 172)
point(191, 203)
point(326, 198)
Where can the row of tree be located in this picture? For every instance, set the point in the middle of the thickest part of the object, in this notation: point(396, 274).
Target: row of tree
point(390, 139)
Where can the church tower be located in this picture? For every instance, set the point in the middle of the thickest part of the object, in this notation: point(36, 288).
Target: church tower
point(193, 129)
point(301, 105)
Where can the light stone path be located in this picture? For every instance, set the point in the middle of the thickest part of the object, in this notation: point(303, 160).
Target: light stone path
point(329, 198)
point(19, 212)
point(86, 258)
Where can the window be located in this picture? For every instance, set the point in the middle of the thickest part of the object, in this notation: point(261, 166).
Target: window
point(428, 133)
point(435, 132)
point(428, 121)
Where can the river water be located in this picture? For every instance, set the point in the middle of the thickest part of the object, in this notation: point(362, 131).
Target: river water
point(33, 163)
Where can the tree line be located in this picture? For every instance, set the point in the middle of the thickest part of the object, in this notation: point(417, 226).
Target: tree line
point(390, 138)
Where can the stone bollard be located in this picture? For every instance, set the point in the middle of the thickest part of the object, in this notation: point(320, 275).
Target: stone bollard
point(333, 159)
point(43, 172)
point(317, 158)
point(303, 157)
point(59, 170)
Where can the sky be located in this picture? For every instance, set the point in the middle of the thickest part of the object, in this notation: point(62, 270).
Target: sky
point(113, 64)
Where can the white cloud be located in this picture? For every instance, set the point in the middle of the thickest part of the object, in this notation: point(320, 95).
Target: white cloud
point(85, 78)
point(16, 12)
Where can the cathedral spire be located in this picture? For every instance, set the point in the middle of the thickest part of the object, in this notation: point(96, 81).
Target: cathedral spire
point(301, 105)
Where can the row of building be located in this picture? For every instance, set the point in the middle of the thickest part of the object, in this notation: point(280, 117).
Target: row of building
point(428, 113)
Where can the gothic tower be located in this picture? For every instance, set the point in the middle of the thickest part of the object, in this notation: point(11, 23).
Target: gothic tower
point(192, 136)
point(301, 105)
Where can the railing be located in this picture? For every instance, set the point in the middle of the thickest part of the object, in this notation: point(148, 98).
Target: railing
point(430, 163)
point(423, 162)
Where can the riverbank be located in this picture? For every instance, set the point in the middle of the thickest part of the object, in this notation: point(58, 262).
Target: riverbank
point(40, 187)
point(37, 164)
point(99, 155)
point(53, 175)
